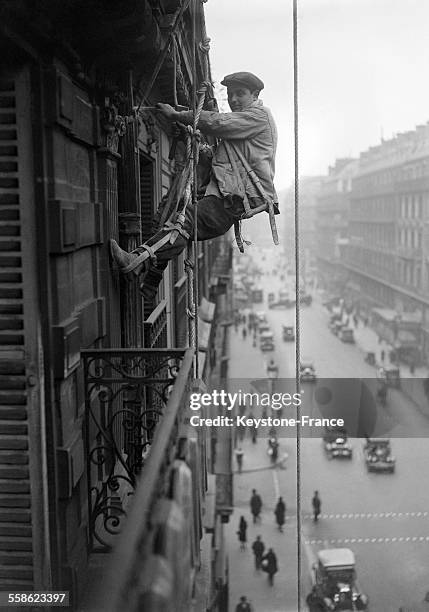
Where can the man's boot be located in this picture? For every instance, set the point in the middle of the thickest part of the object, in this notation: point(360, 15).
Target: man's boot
point(123, 259)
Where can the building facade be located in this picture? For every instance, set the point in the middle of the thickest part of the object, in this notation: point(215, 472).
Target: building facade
point(94, 380)
point(332, 224)
point(309, 187)
point(387, 256)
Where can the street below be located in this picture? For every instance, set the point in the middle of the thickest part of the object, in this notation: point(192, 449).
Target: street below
point(383, 518)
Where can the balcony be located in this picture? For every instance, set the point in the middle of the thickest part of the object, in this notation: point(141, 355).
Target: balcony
point(131, 396)
point(136, 442)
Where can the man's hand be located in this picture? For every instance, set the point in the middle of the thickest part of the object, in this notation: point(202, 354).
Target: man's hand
point(167, 110)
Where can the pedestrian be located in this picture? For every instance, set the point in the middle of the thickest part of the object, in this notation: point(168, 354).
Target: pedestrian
point(280, 513)
point(241, 430)
point(317, 504)
point(243, 605)
point(258, 548)
point(355, 321)
point(250, 126)
point(269, 565)
point(255, 506)
point(315, 601)
point(242, 533)
point(239, 458)
point(244, 333)
point(382, 355)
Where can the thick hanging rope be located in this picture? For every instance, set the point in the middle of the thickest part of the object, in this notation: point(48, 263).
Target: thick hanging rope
point(163, 54)
point(297, 310)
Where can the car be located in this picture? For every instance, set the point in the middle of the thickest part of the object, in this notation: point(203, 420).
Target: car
point(263, 328)
point(266, 341)
point(378, 455)
point(307, 371)
point(261, 316)
point(346, 335)
point(282, 303)
point(305, 298)
point(288, 333)
point(335, 585)
point(336, 444)
point(393, 377)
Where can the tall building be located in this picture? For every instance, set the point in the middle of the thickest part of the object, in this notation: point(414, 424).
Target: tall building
point(332, 223)
point(387, 256)
point(95, 448)
point(309, 187)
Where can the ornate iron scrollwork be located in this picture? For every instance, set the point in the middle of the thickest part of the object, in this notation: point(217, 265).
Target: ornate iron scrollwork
point(126, 392)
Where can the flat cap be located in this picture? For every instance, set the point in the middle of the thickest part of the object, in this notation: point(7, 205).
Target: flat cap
point(247, 79)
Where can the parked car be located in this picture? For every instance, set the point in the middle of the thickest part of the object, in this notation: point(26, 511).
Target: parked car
point(305, 298)
point(307, 371)
point(336, 444)
point(266, 341)
point(288, 333)
point(378, 455)
point(346, 335)
point(335, 585)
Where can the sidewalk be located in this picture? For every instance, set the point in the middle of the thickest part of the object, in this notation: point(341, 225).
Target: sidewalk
point(411, 384)
point(244, 578)
point(247, 362)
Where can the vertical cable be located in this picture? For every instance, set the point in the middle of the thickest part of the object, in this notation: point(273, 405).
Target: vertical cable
point(297, 312)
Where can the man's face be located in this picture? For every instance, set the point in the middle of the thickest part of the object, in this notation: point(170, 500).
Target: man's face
point(240, 97)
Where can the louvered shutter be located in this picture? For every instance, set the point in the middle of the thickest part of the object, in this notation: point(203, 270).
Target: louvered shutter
point(16, 546)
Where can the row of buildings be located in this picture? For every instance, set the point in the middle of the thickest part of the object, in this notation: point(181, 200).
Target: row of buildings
point(95, 448)
point(365, 226)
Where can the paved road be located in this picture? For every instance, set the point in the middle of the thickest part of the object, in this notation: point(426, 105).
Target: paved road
point(383, 518)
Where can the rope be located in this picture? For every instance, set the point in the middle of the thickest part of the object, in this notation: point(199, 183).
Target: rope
point(297, 311)
point(196, 108)
point(163, 54)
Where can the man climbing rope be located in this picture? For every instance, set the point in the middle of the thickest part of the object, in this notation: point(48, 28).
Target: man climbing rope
point(241, 177)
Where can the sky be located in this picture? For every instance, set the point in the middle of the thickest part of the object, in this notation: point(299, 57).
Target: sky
point(363, 71)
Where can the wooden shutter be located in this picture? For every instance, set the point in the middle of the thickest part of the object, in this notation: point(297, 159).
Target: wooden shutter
point(16, 546)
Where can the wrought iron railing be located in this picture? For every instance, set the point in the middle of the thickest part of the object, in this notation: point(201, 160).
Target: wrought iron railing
point(131, 395)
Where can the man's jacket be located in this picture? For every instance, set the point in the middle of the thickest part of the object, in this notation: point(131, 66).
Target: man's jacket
point(254, 133)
